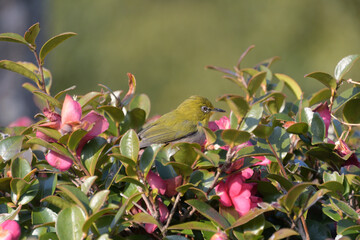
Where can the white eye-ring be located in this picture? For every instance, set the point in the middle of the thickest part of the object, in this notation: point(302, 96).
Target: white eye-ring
point(205, 109)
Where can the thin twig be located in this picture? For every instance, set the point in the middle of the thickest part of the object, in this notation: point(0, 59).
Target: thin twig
point(135, 204)
point(172, 212)
point(278, 160)
point(345, 123)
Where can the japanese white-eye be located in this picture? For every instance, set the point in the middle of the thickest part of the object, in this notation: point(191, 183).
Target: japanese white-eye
point(181, 124)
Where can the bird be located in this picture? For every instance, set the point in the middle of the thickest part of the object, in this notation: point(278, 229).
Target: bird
point(181, 124)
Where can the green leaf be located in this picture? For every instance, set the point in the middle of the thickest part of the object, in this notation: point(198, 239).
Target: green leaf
point(320, 96)
point(46, 97)
point(20, 69)
point(347, 227)
point(238, 105)
point(22, 191)
point(42, 215)
point(51, 146)
point(336, 189)
point(77, 196)
point(20, 167)
point(98, 200)
point(291, 83)
point(210, 135)
point(186, 153)
point(255, 82)
point(57, 201)
point(252, 214)
point(283, 233)
point(69, 224)
point(12, 37)
point(324, 78)
point(252, 118)
point(314, 198)
point(87, 98)
point(195, 225)
point(90, 220)
point(92, 152)
point(148, 157)
point(293, 194)
point(114, 112)
point(87, 182)
point(234, 137)
point(141, 101)
point(298, 128)
point(349, 114)
point(134, 180)
point(275, 101)
point(317, 128)
point(344, 65)
point(142, 218)
point(134, 119)
point(52, 43)
point(129, 145)
point(10, 146)
point(50, 132)
point(47, 185)
point(209, 212)
point(263, 131)
point(344, 97)
point(345, 208)
point(285, 183)
point(32, 33)
point(75, 138)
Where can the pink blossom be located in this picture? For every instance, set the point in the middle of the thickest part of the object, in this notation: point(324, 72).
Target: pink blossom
point(164, 214)
point(236, 192)
point(58, 161)
point(219, 236)
point(69, 121)
point(21, 122)
point(325, 114)
point(172, 184)
point(343, 149)
point(156, 182)
point(10, 230)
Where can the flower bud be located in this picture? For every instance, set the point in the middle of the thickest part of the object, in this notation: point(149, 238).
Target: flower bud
point(10, 230)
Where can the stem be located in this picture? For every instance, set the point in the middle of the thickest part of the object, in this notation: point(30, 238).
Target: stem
point(172, 212)
point(278, 160)
point(41, 72)
point(307, 236)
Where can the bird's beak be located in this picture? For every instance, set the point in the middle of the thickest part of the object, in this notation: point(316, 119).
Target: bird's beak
point(217, 110)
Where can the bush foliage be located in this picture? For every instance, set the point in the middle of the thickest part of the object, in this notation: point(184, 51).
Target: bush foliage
point(270, 169)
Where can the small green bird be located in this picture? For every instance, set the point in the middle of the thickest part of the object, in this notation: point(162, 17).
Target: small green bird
point(181, 124)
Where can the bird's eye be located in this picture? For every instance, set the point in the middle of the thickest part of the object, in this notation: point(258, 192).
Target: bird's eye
point(205, 109)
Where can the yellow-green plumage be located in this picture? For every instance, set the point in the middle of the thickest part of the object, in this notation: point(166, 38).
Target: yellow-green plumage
point(181, 124)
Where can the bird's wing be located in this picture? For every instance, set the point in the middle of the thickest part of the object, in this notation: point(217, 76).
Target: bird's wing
point(163, 133)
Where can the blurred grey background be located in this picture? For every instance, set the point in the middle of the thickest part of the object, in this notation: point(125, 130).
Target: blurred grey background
point(166, 44)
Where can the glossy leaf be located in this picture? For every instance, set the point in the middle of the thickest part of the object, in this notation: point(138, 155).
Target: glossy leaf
point(141, 101)
point(148, 157)
point(10, 146)
point(255, 82)
point(317, 129)
point(69, 223)
point(87, 183)
point(324, 78)
point(210, 135)
point(47, 185)
point(88, 98)
point(43, 215)
point(12, 37)
point(57, 201)
point(98, 200)
point(345, 208)
point(298, 128)
point(51, 146)
point(263, 131)
point(209, 212)
point(32, 33)
point(47, 98)
point(129, 145)
point(52, 43)
point(114, 112)
point(252, 118)
point(20, 69)
point(20, 167)
point(92, 152)
point(320, 96)
point(238, 105)
point(293, 194)
point(186, 153)
point(195, 225)
point(234, 137)
point(142, 218)
point(349, 114)
point(344, 97)
point(347, 227)
point(76, 195)
point(97, 214)
point(344, 65)
point(75, 138)
point(291, 83)
point(283, 233)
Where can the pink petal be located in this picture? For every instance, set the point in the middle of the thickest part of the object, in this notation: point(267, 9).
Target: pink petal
point(12, 228)
point(164, 214)
point(324, 112)
point(223, 123)
point(213, 126)
point(172, 184)
point(263, 161)
point(52, 116)
point(71, 111)
point(150, 228)
point(242, 202)
point(219, 236)
point(21, 122)
point(234, 184)
point(247, 173)
point(58, 161)
point(156, 182)
point(221, 191)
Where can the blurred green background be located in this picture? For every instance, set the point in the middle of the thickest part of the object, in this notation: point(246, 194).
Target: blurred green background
point(166, 44)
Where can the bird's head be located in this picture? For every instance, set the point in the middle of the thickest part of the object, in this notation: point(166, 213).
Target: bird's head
point(197, 108)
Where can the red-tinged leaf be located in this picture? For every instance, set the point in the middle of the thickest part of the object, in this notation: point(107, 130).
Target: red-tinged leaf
point(32, 33)
point(132, 87)
point(223, 70)
point(12, 37)
point(194, 225)
point(243, 55)
point(52, 43)
point(209, 212)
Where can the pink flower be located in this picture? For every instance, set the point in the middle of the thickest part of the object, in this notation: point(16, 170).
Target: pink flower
point(219, 236)
point(156, 182)
point(70, 120)
point(164, 214)
point(10, 230)
point(21, 122)
point(343, 149)
point(172, 184)
point(235, 192)
point(224, 123)
point(325, 114)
